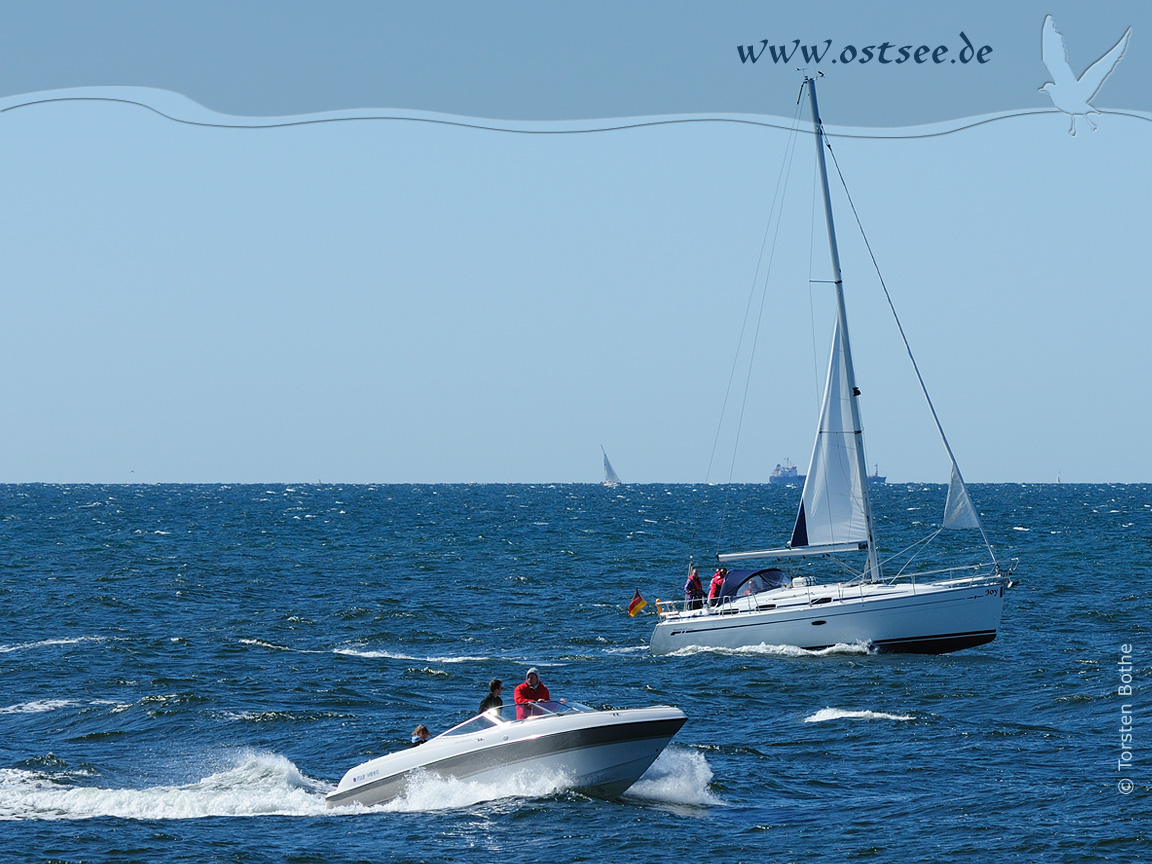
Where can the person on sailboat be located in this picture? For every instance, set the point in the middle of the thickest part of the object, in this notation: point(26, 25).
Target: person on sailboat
point(694, 591)
point(716, 586)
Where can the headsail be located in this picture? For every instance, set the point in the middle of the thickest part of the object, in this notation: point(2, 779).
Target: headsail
point(832, 507)
point(958, 509)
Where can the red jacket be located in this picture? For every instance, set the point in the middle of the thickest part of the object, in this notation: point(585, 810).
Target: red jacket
point(716, 586)
point(693, 589)
point(525, 693)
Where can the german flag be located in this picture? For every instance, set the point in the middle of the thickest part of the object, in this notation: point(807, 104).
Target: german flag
point(637, 604)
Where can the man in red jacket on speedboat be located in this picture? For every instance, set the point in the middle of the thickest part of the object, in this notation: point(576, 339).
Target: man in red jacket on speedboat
point(531, 690)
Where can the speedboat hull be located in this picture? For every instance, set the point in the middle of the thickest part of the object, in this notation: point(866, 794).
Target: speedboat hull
point(600, 753)
point(932, 618)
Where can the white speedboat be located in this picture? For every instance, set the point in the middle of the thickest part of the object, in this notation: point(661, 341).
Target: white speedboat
point(599, 753)
point(946, 609)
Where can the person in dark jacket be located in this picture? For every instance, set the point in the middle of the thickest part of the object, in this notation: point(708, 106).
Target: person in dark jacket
point(492, 700)
point(694, 590)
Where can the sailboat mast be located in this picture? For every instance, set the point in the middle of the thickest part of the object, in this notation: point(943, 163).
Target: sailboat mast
point(872, 568)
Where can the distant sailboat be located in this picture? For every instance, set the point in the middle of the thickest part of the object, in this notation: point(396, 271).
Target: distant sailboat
point(931, 612)
point(610, 478)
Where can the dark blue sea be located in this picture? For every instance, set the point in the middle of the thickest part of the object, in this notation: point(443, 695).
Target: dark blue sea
point(186, 670)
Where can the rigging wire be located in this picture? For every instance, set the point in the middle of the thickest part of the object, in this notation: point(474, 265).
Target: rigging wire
point(907, 346)
point(774, 214)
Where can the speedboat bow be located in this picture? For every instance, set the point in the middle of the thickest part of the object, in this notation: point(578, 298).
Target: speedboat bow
point(599, 753)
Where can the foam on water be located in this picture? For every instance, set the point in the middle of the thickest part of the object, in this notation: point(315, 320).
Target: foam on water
point(393, 655)
point(46, 643)
point(255, 784)
point(432, 792)
point(826, 714)
point(37, 706)
point(763, 649)
point(676, 777)
point(272, 646)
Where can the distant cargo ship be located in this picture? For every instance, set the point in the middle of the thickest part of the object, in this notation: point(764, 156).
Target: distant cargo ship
point(786, 474)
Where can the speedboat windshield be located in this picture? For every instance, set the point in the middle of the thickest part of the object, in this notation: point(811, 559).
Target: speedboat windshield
point(514, 713)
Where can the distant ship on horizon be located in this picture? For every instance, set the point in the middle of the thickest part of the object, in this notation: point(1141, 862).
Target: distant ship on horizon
point(786, 474)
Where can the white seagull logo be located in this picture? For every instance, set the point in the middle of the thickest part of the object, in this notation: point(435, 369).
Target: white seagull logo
point(1070, 94)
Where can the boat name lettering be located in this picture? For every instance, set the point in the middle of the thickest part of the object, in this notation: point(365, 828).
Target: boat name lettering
point(365, 776)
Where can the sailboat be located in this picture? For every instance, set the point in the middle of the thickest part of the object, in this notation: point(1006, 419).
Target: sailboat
point(929, 612)
point(610, 478)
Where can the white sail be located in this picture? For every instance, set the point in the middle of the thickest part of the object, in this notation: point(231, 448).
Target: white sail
point(610, 478)
point(832, 507)
point(958, 509)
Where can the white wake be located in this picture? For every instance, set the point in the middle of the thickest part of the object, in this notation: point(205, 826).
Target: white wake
point(255, 784)
point(826, 714)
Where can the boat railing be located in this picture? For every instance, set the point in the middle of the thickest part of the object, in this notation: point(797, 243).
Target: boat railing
point(723, 606)
point(823, 592)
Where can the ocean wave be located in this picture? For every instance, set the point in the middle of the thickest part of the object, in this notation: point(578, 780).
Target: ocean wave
point(37, 706)
point(394, 655)
point(301, 716)
point(40, 706)
point(262, 643)
point(631, 649)
point(826, 714)
point(254, 784)
point(48, 643)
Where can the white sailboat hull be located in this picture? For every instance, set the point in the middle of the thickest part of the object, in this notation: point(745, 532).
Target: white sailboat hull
point(932, 618)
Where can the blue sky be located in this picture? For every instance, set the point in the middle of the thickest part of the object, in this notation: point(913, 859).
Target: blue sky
point(198, 293)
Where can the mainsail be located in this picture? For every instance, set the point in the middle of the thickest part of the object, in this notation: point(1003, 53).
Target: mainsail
point(832, 507)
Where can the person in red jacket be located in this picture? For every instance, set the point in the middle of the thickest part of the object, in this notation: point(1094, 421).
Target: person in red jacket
point(716, 587)
point(531, 690)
